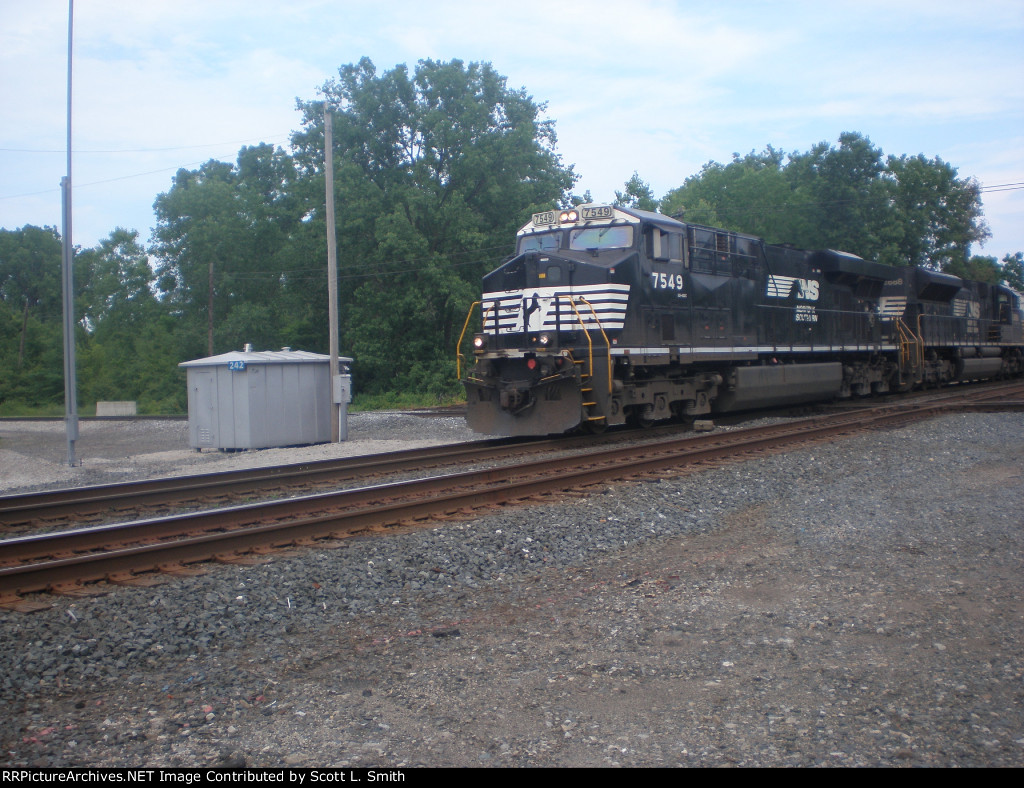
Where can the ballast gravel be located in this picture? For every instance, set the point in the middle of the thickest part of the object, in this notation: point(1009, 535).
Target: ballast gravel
point(857, 603)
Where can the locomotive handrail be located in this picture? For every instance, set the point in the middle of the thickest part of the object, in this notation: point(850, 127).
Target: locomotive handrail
point(579, 319)
point(907, 340)
point(607, 343)
point(458, 347)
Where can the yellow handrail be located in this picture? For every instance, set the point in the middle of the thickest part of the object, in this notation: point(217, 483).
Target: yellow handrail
point(458, 348)
point(920, 342)
point(908, 338)
point(590, 343)
point(606, 342)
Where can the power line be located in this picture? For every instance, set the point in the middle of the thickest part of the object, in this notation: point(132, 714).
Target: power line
point(1008, 188)
point(274, 138)
point(110, 180)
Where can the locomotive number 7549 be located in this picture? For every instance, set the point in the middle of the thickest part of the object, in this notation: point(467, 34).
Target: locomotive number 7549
point(664, 281)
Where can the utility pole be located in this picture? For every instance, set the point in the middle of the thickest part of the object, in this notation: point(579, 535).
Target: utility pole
point(209, 312)
point(68, 280)
point(332, 270)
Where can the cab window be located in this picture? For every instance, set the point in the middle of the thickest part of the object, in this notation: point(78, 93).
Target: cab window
point(543, 242)
point(618, 237)
point(662, 245)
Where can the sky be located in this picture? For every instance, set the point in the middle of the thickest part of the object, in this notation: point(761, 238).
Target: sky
point(648, 86)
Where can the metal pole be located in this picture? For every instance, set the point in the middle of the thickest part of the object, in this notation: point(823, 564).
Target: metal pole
point(332, 270)
point(68, 280)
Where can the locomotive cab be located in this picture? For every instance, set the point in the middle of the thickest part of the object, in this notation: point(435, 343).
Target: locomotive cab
point(548, 318)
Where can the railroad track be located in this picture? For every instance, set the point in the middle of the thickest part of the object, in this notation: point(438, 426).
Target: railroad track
point(131, 500)
point(111, 499)
point(135, 552)
point(103, 503)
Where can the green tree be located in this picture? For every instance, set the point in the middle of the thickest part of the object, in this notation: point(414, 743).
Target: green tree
point(750, 194)
point(900, 211)
point(31, 326)
point(1013, 271)
point(115, 283)
point(842, 196)
point(226, 237)
point(434, 172)
point(132, 345)
point(939, 215)
point(197, 239)
point(30, 277)
point(637, 194)
point(979, 268)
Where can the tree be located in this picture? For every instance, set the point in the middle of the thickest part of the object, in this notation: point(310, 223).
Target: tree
point(434, 172)
point(899, 211)
point(637, 194)
point(30, 277)
point(198, 235)
point(939, 215)
point(750, 194)
point(225, 236)
point(978, 268)
point(115, 282)
point(842, 196)
point(1013, 271)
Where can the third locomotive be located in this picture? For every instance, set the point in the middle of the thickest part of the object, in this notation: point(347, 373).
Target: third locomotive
point(608, 315)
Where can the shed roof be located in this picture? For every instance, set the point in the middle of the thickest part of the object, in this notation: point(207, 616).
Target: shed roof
point(283, 356)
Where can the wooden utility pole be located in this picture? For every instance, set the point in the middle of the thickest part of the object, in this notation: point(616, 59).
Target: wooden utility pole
point(209, 312)
point(332, 268)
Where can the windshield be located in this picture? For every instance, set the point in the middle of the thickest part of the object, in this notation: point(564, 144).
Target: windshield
point(618, 237)
point(544, 242)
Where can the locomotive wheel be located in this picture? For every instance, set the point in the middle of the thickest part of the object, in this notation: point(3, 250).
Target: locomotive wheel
point(640, 417)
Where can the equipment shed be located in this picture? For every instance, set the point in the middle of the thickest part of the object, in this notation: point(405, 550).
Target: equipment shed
point(259, 399)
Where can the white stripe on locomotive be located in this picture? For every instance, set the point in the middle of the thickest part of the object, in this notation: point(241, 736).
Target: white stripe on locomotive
point(505, 309)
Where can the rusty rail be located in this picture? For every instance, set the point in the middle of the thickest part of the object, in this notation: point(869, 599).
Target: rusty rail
point(44, 562)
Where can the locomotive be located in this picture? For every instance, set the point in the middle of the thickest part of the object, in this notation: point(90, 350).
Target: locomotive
point(608, 315)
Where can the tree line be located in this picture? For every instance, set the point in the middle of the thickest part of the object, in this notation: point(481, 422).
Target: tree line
point(434, 168)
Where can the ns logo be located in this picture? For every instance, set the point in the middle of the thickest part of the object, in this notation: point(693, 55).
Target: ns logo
point(792, 287)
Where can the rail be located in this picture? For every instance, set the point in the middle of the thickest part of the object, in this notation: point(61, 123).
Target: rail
point(120, 552)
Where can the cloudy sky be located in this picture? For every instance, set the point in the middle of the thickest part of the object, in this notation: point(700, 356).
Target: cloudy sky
point(652, 86)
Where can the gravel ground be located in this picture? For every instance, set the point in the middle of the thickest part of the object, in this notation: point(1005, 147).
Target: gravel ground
point(33, 454)
point(857, 603)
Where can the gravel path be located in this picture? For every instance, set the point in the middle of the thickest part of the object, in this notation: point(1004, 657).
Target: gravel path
point(858, 603)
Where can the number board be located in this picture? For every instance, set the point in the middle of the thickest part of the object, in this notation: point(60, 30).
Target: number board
point(236, 366)
point(547, 217)
point(598, 212)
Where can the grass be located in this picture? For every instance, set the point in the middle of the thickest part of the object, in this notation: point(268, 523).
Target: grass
point(14, 410)
point(361, 402)
point(400, 401)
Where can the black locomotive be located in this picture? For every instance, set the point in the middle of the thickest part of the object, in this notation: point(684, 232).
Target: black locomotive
point(607, 315)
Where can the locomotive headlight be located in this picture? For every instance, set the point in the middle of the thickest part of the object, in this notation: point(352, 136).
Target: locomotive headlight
point(544, 340)
point(480, 342)
point(568, 216)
